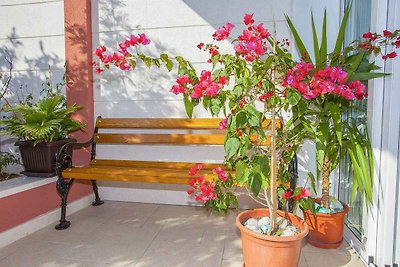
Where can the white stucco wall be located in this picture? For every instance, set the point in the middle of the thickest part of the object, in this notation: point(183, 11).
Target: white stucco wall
point(32, 33)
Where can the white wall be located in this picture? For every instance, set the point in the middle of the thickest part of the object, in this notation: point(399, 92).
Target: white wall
point(32, 33)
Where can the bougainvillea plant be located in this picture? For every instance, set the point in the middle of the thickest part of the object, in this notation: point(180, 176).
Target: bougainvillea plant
point(330, 86)
point(245, 86)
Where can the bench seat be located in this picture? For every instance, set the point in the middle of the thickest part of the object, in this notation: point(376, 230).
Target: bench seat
point(137, 171)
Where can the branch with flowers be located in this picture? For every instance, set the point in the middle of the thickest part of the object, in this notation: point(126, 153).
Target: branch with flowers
point(246, 86)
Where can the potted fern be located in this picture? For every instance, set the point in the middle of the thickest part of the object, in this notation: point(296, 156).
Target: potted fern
point(41, 128)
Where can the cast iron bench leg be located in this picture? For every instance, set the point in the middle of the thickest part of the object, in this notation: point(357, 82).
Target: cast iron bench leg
point(97, 201)
point(63, 189)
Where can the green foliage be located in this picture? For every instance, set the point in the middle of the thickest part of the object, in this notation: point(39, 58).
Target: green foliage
point(47, 120)
point(7, 159)
point(321, 120)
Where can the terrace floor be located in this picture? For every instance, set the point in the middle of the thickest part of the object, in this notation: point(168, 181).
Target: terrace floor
point(135, 234)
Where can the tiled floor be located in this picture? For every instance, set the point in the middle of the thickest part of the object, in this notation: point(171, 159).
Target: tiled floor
point(134, 234)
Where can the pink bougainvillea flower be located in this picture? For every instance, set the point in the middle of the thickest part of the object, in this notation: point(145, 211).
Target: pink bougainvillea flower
point(223, 124)
point(248, 19)
point(389, 55)
point(178, 89)
point(304, 193)
point(199, 166)
point(387, 33)
point(99, 70)
point(190, 192)
point(143, 39)
point(192, 171)
point(223, 32)
point(266, 96)
point(183, 79)
point(287, 195)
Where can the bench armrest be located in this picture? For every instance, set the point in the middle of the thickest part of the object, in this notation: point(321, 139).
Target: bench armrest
point(64, 155)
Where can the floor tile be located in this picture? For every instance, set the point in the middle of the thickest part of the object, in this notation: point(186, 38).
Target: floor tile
point(228, 263)
point(137, 235)
point(170, 254)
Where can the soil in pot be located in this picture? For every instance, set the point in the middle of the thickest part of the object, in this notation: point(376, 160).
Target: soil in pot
point(326, 229)
point(260, 250)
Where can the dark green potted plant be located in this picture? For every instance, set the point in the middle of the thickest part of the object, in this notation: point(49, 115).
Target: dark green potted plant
point(330, 86)
point(41, 128)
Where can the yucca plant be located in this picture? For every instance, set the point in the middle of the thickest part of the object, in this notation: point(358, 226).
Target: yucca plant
point(331, 85)
point(46, 121)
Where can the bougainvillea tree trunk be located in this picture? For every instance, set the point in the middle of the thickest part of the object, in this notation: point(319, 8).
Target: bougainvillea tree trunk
point(273, 189)
point(325, 183)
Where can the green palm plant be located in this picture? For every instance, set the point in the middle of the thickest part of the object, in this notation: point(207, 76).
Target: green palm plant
point(46, 121)
point(322, 116)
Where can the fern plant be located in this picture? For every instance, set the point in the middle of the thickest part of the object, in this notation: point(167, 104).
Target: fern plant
point(46, 121)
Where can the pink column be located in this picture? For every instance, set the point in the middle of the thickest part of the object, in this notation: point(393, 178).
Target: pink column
point(78, 55)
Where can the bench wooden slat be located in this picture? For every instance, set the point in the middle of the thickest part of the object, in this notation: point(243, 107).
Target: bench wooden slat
point(170, 139)
point(157, 123)
point(159, 175)
point(152, 164)
point(178, 139)
point(164, 123)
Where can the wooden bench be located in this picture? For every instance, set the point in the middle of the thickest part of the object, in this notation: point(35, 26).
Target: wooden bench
point(207, 134)
point(129, 170)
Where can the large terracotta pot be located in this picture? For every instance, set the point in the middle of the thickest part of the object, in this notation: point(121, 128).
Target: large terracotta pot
point(265, 251)
point(326, 230)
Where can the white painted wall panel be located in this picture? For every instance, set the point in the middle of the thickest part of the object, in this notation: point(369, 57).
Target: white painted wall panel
point(32, 20)
point(133, 14)
point(34, 53)
point(32, 33)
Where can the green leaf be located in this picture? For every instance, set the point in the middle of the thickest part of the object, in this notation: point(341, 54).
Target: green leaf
point(300, 45)
point(188, 106)
point(337, 122)
point(231, 147)
point(242, 172)
point(206, 102)
point(293, 97)
point(215, 106)
point(241, 120)
point(342, 29)
point(324, 43)
point(147, 62)
point(254, 183)
point(169, 65)
point(313, 182)
point(364, 76)
point(156, 62)
point(164, 57)
point(355, 63)
point(133, 63)
point(316, 45)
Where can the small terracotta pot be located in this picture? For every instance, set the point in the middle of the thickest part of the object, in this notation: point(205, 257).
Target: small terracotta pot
point(326, 230)
point(265, 251)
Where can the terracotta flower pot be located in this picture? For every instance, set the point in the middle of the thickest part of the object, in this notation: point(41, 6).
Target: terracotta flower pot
point(265, 251)
point(326, 230)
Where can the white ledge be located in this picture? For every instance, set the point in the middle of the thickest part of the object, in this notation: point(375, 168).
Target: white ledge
point(22, 183)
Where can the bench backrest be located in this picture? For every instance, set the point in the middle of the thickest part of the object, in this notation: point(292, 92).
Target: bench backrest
point(214, 136)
